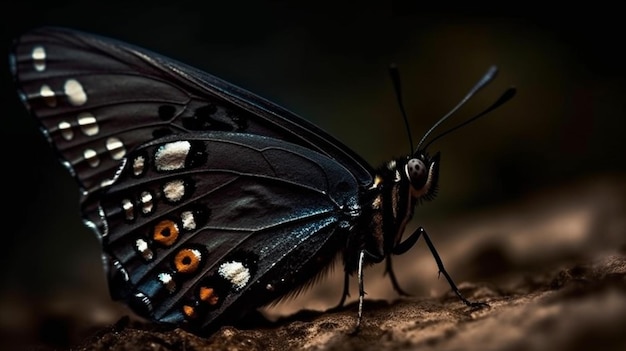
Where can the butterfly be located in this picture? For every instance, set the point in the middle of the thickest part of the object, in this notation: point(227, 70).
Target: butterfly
point(208, 200)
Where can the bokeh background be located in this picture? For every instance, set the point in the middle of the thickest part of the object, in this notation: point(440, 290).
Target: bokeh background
point(327, 61)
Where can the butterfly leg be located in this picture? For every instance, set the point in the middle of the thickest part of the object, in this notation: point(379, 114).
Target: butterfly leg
point(361, 291)
point(421, 232)
point(346, 291)
point(362, 255)
point(392, 277)
point(399, 250)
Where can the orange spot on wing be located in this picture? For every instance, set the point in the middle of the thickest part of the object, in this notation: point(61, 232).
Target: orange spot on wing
point(208, 295)
point(187, 260)
point(166, 232)
point(189, 311)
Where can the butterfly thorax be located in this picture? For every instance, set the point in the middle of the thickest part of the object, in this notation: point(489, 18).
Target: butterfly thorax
point(388, 205)
point(387, 208)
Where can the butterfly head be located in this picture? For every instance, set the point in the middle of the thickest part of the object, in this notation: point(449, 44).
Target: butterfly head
point(422, 171)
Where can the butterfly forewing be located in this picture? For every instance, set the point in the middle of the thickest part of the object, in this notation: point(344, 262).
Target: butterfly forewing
point(92, 102)
point(98, 99)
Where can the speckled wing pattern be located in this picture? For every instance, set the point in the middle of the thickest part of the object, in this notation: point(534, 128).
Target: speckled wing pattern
point(205, 196)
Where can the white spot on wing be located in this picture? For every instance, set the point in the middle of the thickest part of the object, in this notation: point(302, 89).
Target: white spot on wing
point(144, 250)
point(167, 281)
point(39, 58)
point(91, 157)
point(172, 156)
point(116, 148)
point(75, 93)
point(48, 95)
point(146, 201)
point(88, 124)
point(66, 130)
point(189, 221)
point(236, 273)
point(138, 165)
point(129, 209)
point(174, 190)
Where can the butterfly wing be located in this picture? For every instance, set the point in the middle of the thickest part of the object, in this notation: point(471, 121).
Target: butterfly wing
point(99, 98)
point(204, 228)
point(209, 201)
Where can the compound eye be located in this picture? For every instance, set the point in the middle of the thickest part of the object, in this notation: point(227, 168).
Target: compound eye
point(417, 172)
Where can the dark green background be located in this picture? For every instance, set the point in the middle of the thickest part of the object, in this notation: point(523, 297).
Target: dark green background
point(328, 62)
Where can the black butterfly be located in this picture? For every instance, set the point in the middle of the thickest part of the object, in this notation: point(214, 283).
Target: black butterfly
point(210, 201)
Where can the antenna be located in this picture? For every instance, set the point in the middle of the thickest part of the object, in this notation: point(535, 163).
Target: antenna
point(486, 79)
point(506, 96)
point(395, 79)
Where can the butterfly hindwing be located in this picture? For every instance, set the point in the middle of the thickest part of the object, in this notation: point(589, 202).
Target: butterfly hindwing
point(209, 226)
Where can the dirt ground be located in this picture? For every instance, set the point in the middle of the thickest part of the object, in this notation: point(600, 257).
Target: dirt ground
point(552, 269)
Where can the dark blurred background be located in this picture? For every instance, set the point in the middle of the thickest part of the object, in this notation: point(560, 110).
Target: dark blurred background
point(327, 61)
